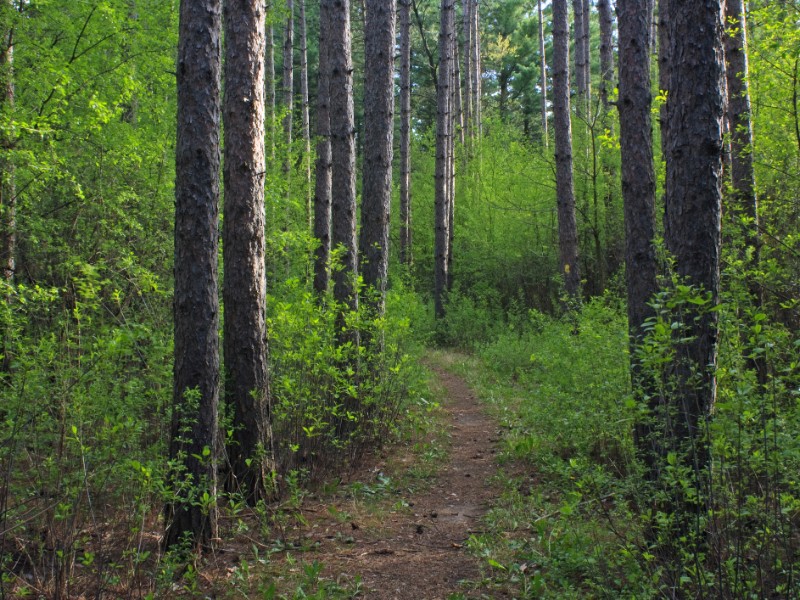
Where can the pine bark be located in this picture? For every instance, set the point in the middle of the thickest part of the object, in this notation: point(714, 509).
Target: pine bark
point(405, 131)
point(475, 37)
point(693, 196)
point(343, 152)
point(269, 89)
point(243, 244)
point(743, 183)
point(322, 187)
point(467, 54)
point(543, 79)
point(565, 192)
point(378, 145)
point(607, 48)
point(441, 171)
point(193, 439)
point(638, 193)
point(451, 155)
point(288, 83)
point(580, 55)
point(305, 118)
point(8, 191)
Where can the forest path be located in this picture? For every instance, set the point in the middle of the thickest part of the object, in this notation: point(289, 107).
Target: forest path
point(415, 548)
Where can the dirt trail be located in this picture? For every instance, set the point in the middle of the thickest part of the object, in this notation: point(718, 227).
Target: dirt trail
point(418, 551)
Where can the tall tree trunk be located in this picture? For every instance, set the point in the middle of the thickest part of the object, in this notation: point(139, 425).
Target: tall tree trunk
point(193, 439)
point(743, 182)
point(451, 155)
point(607, 48)
point(638, 193)
point(580, 56)
point(343, 152)
point(467, 54)
point(306, 124)
point(405, 131)
point(378, 145)
point(663, 68)
point(8, 191)
point(243, 244)
point(587, 50)
point(288, 85)
point(443, 120)
point(458, 106)
point(543, 62)
point(475, 36)
point(269, 87)
point(744, 204)
point(322, 188)
point(567, 225)
point(692, 228)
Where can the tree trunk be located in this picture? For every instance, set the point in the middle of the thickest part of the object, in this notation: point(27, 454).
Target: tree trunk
point(269, 87)
point(692, 228)
point(306, 124)
point(475, 36)
point(467, 54)
point(343, 152)
point(580, 55)
point(543, 61)
point(587, 50)
point(663, 68)
point(322, 188)
point(443, 120)
point(405, 131)
point(638, 193)
point(458, 112)
point(451, 155)
point(243, 243)
point(567, 226)
point(288, 85)
point(607, 48)
point(8, 191)
point(744, 201)
point(378, 145)
point(193, 439)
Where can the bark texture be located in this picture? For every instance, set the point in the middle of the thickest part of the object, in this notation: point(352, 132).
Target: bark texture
point(322, 186)
point(269, 89)
point(467, 54)
point(405, 131)
point(305, 118)
point(607, 48)
point(288, 81)
point(441, 171)
point(196, 305)
point(565, 192)
point(580, 53)
point(343, 152)
point(744, 200)
point(543, 80)
point(475, 38)
point(243, 245)
point(378, 145)
point(693, 203)
point(743, 182)
point(8, 191)
point(638, 188)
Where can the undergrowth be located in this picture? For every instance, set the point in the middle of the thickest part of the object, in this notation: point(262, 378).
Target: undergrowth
point(574, 517)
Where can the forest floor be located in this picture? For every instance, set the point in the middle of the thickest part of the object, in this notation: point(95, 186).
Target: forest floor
point(401, 529)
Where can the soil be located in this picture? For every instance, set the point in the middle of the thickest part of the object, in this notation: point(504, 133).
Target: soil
point(416, 548)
